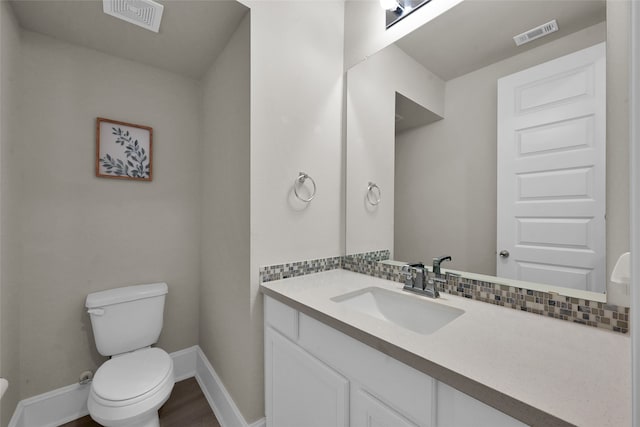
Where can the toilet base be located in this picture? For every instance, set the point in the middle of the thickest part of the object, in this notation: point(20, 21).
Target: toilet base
point(152, 420)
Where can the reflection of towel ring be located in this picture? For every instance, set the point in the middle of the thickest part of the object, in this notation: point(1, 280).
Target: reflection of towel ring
point(302, 177)
point(371, 194)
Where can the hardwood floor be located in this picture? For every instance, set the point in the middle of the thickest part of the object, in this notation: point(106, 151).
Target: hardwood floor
point(187, 407)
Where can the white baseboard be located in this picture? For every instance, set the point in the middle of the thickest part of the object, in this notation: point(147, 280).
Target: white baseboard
point(262, 422)
point(70, 403)
point(219, 399)
point(52, 408)
point(185, 362)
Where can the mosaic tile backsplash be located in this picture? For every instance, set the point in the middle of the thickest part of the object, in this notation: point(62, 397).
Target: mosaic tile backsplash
point(295, 269)
point(586, 312)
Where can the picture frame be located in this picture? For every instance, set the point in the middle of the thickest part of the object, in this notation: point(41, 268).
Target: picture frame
point(123, 150)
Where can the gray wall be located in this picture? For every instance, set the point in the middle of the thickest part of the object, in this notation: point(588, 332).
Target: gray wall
point(73, 233)
point(200, 222)
point(456, 211)
point(9, 291)
point(225, 335)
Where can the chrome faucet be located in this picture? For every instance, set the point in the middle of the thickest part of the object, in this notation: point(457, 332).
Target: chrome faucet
point(421, 284)
point(437, 261)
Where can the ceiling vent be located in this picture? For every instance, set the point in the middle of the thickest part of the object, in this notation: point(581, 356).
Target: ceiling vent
point(536, 33)
point(144, 13)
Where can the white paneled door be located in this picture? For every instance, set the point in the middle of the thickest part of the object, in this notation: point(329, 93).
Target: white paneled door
point(551, 172)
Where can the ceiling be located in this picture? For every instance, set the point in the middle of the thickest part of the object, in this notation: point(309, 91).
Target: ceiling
point(477, 33)
point(192, 32)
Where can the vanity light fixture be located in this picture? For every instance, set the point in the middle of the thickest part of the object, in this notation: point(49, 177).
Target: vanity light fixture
point(399, 9)
point(391, 5)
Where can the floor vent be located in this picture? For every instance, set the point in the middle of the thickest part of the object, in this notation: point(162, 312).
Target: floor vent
point(536, 33)
point(144, 13)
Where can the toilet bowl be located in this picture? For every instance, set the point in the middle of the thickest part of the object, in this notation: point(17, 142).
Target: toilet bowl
point(128, 389)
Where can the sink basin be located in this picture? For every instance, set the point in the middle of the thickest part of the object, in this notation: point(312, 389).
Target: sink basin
point(407, 311)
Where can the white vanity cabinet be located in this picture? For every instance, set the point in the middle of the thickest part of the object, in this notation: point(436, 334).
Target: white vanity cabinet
point(318, 376)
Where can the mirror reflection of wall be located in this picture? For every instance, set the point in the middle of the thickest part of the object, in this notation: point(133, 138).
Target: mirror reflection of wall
point(451, 209)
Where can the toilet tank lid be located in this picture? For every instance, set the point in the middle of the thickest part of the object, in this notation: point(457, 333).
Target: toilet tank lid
point(127, 293)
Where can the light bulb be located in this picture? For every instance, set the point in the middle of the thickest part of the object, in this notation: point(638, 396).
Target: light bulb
point(389, 4)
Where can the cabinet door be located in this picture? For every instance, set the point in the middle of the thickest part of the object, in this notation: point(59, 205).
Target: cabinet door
point(300, 390)
point(367, 411)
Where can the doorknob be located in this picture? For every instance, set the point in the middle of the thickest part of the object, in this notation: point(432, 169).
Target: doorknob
point(504, 253)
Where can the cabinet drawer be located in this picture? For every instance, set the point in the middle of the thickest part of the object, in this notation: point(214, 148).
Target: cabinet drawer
point(404, 389)
point(281, 317)
point(457, 409)
point(367, 411)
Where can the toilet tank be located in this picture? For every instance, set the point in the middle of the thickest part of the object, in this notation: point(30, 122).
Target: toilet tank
point(126, 319)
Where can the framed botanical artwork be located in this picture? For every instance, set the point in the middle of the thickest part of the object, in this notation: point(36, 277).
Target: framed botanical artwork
point(123, 150)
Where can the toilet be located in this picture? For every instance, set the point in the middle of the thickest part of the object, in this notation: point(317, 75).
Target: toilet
point(129, 388)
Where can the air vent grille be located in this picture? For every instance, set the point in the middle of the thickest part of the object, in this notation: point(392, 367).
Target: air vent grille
point(536, 33)
point(144, 13)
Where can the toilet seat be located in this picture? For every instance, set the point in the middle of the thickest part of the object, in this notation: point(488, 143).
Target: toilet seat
point(147, 387)
point(127, 377)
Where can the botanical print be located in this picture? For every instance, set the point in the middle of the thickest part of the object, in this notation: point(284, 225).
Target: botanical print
point(134, 152)
point(124, 150)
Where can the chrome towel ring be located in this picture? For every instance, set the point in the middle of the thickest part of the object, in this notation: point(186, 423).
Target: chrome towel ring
point(302, 177)
point(374, 194)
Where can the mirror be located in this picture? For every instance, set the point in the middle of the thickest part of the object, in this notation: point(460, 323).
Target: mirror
point(423, 125)
point(397, 10)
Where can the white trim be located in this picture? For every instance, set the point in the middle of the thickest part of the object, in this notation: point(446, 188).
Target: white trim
point(219, 399)
point(635, 209)
point(52, 408)
point(69, 403)
point(184, 363)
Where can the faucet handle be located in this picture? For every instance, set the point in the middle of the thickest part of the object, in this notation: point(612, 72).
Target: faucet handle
point(414, 274)
point(407, 271)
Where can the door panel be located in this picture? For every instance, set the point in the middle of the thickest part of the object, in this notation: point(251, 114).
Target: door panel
point(559, 87)
point(563, 135)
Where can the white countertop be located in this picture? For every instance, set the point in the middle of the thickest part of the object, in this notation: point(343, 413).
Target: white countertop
point(537, 365)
